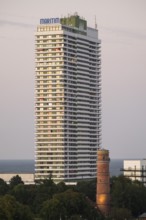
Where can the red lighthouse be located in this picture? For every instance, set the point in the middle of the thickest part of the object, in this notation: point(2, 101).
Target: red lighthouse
point(103, 181)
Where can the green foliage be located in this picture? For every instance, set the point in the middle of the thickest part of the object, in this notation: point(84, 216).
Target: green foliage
point(23, 212)
point(128, 194)
point(52, 210)
point(88, 188)
point(61, 187)
point(10, 209)
point(43, 191)
point(48, 200)
point(67, 205)
point(76, 217)
point(74, 202)
point(15, 180)
point(3, 214)
point(3, 187)
point(21, 193)
point(120, 214)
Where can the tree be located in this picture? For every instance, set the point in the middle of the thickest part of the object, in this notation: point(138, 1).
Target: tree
point(88, 188)
point(61, 187)
point(15, 180)
point(23, 212)
point(11, 209)
point(120, 214)
point(44, 190)
point(53, 210)
point(3, 215)
point(3, 187)
point(128, 194)
point(21, 193)
point(67, 205)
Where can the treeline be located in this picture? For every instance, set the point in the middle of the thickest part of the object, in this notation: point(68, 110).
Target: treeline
point(46, 201)
point(128, 198)
point(49, 201)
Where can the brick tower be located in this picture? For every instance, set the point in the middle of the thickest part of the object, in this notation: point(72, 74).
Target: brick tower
point(103, 182)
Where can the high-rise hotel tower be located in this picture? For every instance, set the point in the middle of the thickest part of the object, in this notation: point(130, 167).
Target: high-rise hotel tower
point(68, 99)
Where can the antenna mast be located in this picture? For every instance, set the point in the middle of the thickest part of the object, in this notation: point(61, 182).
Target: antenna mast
point(95, 23)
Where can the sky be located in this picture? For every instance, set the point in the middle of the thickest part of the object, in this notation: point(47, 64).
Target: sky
point(122, 30)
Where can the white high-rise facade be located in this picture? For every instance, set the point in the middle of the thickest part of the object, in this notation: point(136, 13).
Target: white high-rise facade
point(67, 99)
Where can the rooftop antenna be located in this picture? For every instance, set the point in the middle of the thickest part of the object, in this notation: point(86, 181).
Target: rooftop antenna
point(95, 23)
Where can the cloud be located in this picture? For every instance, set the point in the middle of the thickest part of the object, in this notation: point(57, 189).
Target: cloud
point(14, 23)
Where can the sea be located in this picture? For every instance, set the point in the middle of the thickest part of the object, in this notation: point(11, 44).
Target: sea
point(27, 166)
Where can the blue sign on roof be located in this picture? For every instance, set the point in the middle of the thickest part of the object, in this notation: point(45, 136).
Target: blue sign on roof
point(49, 20)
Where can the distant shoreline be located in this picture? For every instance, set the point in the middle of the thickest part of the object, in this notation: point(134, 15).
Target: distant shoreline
point(28, 166)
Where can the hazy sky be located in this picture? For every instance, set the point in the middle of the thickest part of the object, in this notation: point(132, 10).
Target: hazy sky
point(122, 29)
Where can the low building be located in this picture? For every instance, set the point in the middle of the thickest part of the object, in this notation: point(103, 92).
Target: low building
point(135, 170)
point(27, 178)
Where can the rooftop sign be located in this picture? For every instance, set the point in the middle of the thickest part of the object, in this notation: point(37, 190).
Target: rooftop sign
point(49, 20)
